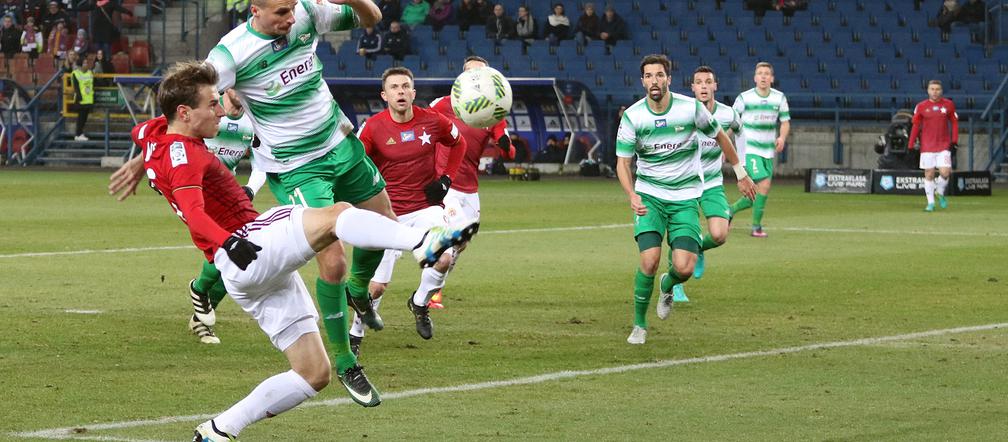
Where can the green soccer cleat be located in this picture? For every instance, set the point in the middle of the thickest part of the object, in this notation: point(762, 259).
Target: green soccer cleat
point(942, 202)
point(679, 294)
point(359, 387)
point(365, 311)
point(929, 207)
point(699, 267)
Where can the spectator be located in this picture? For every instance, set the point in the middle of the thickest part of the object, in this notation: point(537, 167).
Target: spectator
point(102, 65)
point(948, 14)
point(973, 12)
point(759, 8)
point(469, 15)
point(588, 24)
point(557, 26)
point(613, 28)
point(414, 13)
point(370, 43)
point(440, 14)
point(787, 7)
point(52, 16)
point(521, 146)
point(68, 63)
point(81, 43)
point(11, 8)
point(59, 41)
point(552, 152)
point(397, 41)
point(83, 86)
point(391, 11)
point(10, 37)
point(31, 39)
point(31, 8)
point(525, 27)
point(499, 26)
point(103, 31)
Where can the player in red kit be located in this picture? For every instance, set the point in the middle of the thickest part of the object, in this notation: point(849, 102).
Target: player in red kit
point(258, 255)
point(936, 122)
point(462, 201)
point(401, 141)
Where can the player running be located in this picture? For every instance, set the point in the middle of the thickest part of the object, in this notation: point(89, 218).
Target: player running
point(462, 202)
point(936, 122)
point(402, 140)
point(713, 201)
point(659, 129)
point(760, 109)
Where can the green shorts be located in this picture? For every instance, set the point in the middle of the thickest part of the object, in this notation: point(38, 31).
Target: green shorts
point(672, 219)
point(758, 168)
point(343, 174)
point(714, 203)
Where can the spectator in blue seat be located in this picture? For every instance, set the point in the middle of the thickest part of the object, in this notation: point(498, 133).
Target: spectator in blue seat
point(415, 13)
point(973, 11)
point(390, 11)
point(557, 26)
point(370, 43)
point(499, 26)
point(525, 27)
point(397, 41)
point(440, 14)
point(613, 28)
point(587, 28)
point(948, 14)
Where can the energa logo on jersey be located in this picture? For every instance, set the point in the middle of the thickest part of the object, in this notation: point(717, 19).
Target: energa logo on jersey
point(288, 75)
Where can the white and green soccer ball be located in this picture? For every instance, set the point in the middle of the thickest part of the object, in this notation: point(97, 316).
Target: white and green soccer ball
point(481, 97)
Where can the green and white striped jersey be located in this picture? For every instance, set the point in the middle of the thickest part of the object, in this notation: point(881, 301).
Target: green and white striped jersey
point(279, 82)
point(759, 120)
point(668, 161)
point(710, 151)
point(233, 140)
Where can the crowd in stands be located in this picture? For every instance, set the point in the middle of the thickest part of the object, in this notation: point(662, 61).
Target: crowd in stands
point(392, 34)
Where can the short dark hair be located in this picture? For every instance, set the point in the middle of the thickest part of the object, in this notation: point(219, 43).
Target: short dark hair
point(656, 59)
point(182, 84)
point(475, 58)
point(938, 82)
point(398, 70)
point(705, 69)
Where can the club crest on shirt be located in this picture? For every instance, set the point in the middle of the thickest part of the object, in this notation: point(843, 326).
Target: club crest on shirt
point(232, 127)
point(178, 154)
point(660, 123)
point(407, 136)
point(280, 44)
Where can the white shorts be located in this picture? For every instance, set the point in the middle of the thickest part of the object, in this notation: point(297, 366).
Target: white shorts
point(932, 160)
point(421, 219)
point(270, 289)
point(461, 208)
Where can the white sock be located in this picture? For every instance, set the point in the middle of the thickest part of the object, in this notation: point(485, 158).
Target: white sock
point(940, 183)
point(929, 189)
point(430, 281)
point(272, 397)
point(369, 230)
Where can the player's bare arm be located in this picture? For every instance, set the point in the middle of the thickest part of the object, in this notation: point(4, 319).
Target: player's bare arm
point(785, 129)
point(626, 181)
point(367, 11)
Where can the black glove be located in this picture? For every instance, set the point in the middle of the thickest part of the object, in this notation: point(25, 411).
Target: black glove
point(248, 192)
point(504, 143)
point(437, 189)
point(953, 146)
point(241, 251)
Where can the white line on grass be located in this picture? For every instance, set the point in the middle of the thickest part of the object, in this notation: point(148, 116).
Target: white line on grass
point(67, 433)
point(554, 229)
point(84, 312)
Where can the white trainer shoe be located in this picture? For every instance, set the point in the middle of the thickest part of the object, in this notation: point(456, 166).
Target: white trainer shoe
point(201, 306)
point(637, 336)
point(206, 432)
point(664, 306)
point(204, 332)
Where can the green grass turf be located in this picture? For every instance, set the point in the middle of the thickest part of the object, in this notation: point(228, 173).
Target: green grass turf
point(520, 304)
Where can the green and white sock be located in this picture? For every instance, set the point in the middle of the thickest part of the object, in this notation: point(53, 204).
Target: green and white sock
point(643, 286)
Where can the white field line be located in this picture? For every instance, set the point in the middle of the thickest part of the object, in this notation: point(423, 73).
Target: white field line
point(84, 312)
point(67, 433)
point(553, 229)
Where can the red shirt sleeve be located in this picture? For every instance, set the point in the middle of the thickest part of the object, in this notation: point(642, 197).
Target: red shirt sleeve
point(954, 119)
point(185, 179)
point(916, 122)
point(500, 130)
point(452, 139)
point(364, 134)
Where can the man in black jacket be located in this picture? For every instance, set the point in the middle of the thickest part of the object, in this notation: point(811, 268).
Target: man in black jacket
point(397, 41)
point(500, 26)
point(104, 32)
point(613, 28)
point(10, 37)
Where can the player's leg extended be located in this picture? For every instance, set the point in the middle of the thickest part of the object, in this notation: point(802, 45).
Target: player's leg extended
point(754, 167)
point(941, 181)
point(929, 188)
point(714, 204)
point(379, 283)
point(648, 230)
point(759, 205)
point(203, 290)
point(363, 186)
point(683, 238)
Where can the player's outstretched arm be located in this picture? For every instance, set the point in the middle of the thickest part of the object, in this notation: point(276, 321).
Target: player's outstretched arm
point(367, 11)
point(123, 182)
point(626, 181)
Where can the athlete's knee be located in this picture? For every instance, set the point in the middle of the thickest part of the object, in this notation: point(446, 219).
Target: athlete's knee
point(684, 267)
point(336, 209)
point(719, 236)
point(332, 263)
point(444, 262)
point(377, 289)
point(649, 265)
point(318, 374)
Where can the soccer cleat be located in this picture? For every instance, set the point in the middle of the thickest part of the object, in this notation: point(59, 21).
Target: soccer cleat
point(679, 294)
point(81, 137)
point(360, 389)
point(365, 311)
point(208, 432)
point(355, 342)
point(424, 325)
point(757, 232)
point(440, 238)
point(201, 305)
point(699, 267)
point(205, 332)
point(435, 301)
point(942, 202)
point(664, 306)
point(929, 207)
point(637, 336)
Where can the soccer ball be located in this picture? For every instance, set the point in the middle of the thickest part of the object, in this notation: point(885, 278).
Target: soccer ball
point(481, 97)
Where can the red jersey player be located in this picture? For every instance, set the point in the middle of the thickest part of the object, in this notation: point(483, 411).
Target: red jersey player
point(258, 255)
point(462, 201)
point(401, 142)
point(932, 119)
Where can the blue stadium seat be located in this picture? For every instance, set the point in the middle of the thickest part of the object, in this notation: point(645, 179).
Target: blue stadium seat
point(511, 49)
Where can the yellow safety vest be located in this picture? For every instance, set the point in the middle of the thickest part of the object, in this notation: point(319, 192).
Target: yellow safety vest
point(85, 84)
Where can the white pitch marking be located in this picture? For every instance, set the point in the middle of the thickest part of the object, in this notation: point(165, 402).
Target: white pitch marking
point(66, 433)
point(84, 312)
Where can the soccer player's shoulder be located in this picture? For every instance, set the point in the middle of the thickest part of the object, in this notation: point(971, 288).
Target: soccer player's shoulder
point(148, 129)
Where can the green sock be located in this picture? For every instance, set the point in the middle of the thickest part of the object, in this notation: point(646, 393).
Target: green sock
point(217, 293)
point(740, 205)
point(673, 279)
point(708, 243)
point(757, 211)
point(643, 286)
point(362, 269)
point(209, 275)
point(333, 304)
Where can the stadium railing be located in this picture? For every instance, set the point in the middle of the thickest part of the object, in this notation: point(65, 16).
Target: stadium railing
point(993, 118)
